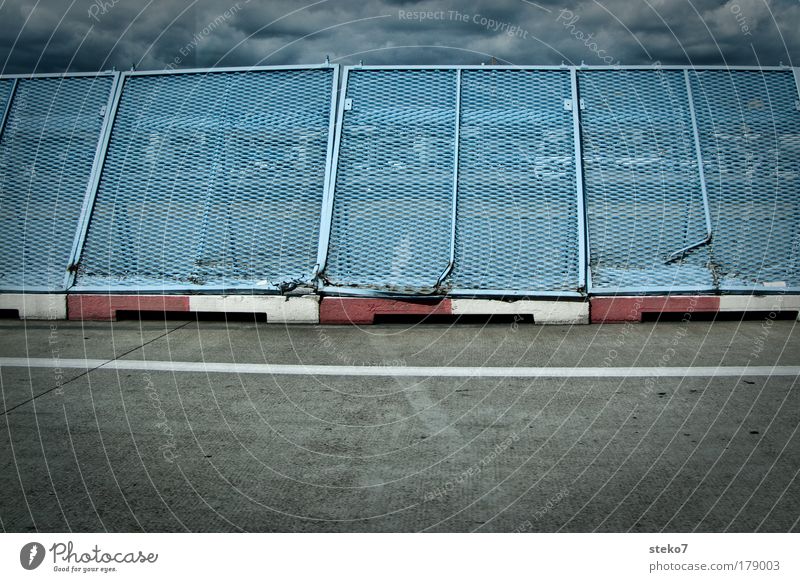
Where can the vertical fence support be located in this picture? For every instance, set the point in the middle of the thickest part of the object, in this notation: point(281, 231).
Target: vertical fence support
point(797, 84)
point(701, 172)
point(94, 179)
point(332, 158)
point(7, 109)
point(583, 245)
point(456, 139)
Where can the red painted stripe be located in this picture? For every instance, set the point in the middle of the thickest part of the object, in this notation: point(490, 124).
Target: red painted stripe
point(105, 307)
point(349, 310)
point(619, 309)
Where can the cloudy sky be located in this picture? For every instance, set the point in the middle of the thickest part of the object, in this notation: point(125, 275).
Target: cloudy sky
point(90, 35)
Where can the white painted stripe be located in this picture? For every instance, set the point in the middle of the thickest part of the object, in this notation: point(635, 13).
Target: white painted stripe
point(416, 371)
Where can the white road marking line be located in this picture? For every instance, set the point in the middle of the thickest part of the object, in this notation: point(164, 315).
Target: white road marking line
point(415, 371)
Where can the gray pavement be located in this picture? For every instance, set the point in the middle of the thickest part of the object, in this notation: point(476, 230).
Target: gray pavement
point(128, 450)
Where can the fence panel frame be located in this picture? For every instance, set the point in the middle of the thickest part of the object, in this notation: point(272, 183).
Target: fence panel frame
point(76, 286)
point(581, 290)
point(68, 275)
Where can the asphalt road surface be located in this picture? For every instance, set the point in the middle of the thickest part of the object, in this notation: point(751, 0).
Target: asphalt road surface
point(243, 426)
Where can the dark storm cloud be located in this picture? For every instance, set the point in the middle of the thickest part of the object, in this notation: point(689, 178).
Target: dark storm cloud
point(54, 35)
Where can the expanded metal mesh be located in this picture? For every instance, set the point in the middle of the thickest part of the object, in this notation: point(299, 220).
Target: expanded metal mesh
point(392, 202)
point(642, 182)
point(6, 86)
point(212, 180)
point(216, 180)
point(47, 152)
point(516, 225)
point(749, 124)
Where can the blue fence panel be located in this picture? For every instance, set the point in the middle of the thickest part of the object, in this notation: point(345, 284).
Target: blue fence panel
point(517, 225)
point(642, 182)
point(216, 180)
point(392, 219)
point(47, 153)
point(749, 123)
point(212, 181)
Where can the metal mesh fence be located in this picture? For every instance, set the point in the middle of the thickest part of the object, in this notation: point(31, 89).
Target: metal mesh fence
point(460, 180)
point(498, 143)
point(642, 182)
point(212, 181)
point(516, 226)
point(749, 123)
point(392, 199)
point(47, 152)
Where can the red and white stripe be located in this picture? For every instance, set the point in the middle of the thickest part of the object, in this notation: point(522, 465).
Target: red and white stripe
point(311, 309)
point(363, 310)
point(283, 309)
point(630, 308)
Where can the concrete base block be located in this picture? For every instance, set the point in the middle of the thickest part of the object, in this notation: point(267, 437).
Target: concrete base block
point(544, 312)
point(278, 309)
point(362, 310)
point(36, 305)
